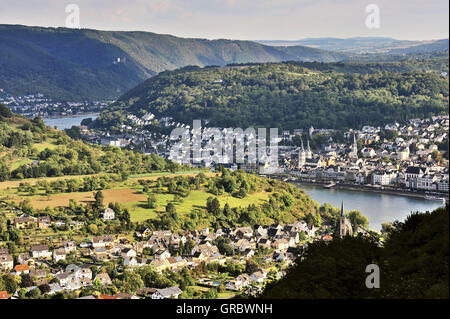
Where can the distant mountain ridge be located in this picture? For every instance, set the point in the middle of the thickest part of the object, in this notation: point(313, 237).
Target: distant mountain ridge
point(366, 44)
point(84, 64)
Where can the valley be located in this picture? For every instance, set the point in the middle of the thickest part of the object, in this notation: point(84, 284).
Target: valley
point(95, 202)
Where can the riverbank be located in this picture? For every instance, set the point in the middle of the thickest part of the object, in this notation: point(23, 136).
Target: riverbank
point(365, 188)
point(60, 116)
point(389, 191)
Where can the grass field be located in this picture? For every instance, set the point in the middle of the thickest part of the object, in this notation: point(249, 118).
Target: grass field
point(136, 202)
point(17, 163)
point(50, 144)
point(131, 196)
point(196, 199)
point(123, 195)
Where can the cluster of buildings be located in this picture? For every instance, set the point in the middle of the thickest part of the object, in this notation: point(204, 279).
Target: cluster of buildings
point(43, 222)
point(34, 105)
point(409, 160)
point(160, 249)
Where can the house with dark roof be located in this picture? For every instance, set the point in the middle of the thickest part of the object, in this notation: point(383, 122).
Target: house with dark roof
point(167, 293)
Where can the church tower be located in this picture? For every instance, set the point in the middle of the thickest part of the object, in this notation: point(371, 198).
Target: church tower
point(354, 149)
point(301, 155)
point(309, 154)
point(344, 226)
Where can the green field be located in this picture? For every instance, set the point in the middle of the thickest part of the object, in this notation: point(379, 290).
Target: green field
point(138, 209)
point(50, 144)
point(196, 199)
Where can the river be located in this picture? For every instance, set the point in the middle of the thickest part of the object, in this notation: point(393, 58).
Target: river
point(63, 122)
point(378, 208)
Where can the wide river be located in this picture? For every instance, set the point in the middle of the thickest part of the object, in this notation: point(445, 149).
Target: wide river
point(62, 123)
point(378, 208)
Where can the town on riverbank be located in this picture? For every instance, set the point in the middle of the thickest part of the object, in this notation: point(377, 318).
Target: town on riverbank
point(409, 158)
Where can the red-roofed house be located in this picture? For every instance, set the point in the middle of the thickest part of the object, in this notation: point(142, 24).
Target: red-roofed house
point(22, 269)
point(4, 294)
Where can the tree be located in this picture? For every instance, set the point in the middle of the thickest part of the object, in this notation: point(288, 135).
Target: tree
point(44, 288)
point(4, 172)
point(357, 219)
point(251, 267)
point(221, 287)
point(151, 201)
point(188, 246)
point(131, 281)
point(302, 236)
point(170, 209)
point(26, 281)
point(211, 294)
point(34, 293)
point(26, 207)
point(5, 111)
point(9, 283)
point(99, 197)
point(126, 217)
point(93, 229)
point(386, 228)
point(226, 210)
point(213, 206)
point(413, 264)
point(223, 244)
point(334, 269)
point(4, 235)
point(242, 193)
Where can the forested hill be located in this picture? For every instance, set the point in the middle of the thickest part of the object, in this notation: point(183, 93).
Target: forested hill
point(287, 95)
point(72, 64)
point(413, 263)
point(30, 149)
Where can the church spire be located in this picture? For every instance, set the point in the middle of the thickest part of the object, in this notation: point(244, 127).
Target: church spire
point(301, 155)
point(342, 209)
point(354, 148)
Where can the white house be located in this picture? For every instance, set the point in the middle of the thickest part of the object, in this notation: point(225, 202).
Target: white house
point(383, 178)
point(40, 251)
point(59, 254)
point(6, 262)
point(108, 214)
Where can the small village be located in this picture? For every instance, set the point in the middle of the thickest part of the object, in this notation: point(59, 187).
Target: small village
point(236, 261)
point(38, 105)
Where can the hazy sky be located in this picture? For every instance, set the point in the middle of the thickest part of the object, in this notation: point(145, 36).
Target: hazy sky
point(242, 19)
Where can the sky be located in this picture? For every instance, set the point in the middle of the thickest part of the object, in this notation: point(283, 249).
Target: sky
point(242, 19)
